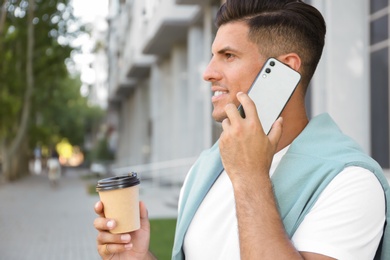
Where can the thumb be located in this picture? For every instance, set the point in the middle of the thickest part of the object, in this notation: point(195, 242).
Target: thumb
point(276, 132)
point(144, 216)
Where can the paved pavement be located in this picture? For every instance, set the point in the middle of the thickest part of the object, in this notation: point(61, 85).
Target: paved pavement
point(38, 221)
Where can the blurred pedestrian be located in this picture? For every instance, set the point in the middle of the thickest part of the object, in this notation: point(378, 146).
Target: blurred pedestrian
point(37, 160)
point(54, 168)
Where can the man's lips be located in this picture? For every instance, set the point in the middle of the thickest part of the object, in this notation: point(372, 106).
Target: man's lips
point(218, 94)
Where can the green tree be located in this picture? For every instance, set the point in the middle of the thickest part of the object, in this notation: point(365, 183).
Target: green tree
point(61, 112)
point(39, 101)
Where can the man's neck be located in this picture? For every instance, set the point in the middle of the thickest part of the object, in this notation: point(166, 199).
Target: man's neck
point(293, 125)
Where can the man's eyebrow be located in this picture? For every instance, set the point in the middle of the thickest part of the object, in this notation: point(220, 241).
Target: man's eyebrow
point(228, 49)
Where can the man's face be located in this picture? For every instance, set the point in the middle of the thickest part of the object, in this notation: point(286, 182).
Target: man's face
point(233, 67)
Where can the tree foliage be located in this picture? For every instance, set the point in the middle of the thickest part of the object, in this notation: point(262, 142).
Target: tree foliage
point(57, 109)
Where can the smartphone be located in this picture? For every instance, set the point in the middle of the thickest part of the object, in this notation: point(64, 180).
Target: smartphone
point(271, 90)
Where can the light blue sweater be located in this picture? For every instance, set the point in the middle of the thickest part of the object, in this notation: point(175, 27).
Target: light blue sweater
point(320, 152)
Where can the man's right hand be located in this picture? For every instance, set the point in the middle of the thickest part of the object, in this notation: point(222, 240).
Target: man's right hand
point(133, 245)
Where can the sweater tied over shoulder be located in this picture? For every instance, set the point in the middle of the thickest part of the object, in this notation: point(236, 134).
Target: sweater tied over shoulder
point(313, 159)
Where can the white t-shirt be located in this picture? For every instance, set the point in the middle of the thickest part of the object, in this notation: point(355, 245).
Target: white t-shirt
point(345, 223)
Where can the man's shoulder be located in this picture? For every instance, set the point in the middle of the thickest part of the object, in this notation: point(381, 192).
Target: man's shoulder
point(323, 139)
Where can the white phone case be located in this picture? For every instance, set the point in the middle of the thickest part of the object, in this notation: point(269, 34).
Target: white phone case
point(271, 90)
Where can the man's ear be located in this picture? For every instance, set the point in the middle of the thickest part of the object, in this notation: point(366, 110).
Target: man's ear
point(292, 60)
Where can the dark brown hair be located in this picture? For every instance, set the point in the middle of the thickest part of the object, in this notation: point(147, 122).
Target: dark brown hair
point(279, 27)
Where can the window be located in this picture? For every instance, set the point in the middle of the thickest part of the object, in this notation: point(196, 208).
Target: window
point(379, 29)
point(376, 5)
point(380, 106)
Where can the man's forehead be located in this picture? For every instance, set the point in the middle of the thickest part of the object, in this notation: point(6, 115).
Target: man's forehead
point(232, 37)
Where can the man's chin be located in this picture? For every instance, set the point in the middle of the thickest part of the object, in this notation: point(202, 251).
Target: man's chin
point(219, 117)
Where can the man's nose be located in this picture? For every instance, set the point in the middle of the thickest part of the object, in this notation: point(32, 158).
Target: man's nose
point(212, 73)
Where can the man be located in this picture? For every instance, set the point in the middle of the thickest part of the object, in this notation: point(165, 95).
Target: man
point(305, 191)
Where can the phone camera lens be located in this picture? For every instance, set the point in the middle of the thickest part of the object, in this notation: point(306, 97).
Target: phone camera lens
point(272, 63)
point(268, 70)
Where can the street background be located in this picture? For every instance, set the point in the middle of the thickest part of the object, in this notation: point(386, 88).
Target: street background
point(116, 86)
point(41, 222)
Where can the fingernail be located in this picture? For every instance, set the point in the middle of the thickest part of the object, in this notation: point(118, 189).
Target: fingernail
point(96, 204)
point(125, 237)
point(110, 224)
point(129, 246)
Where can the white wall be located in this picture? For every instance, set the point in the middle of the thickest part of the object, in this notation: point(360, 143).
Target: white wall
point(341, 84)
point(134, 142)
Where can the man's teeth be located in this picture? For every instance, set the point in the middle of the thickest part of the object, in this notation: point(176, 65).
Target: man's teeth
point(218, 93)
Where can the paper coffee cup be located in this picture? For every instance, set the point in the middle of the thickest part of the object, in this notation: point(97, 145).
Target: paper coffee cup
point(120, 197)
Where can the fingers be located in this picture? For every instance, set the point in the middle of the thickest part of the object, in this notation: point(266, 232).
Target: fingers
point(232, 115)
point(113, 243)
point(105, 237)
point(248, 105)
point(104, 224)
point(99, 208)
point(101, 223)
point(225, 124)
point(108, 243)
point(109, 249)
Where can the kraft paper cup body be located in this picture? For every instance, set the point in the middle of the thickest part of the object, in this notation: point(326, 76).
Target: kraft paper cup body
point(122, 205)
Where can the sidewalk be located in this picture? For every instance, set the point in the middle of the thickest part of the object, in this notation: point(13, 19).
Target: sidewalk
point(45, 223)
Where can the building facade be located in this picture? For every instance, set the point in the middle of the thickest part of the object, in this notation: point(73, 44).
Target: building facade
point(379, 80)
point(158, 50)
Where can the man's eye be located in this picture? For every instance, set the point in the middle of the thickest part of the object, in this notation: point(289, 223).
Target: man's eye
point(229, 55)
